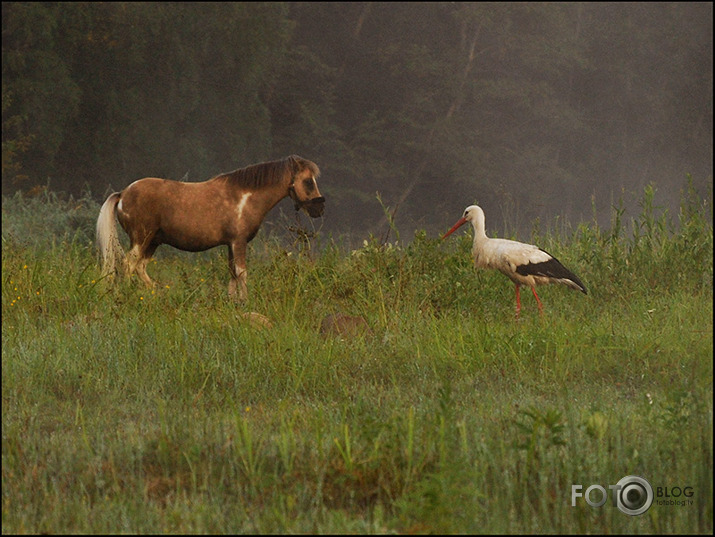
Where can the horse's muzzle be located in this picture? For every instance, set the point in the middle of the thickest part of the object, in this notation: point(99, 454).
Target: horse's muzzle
point(314, 207)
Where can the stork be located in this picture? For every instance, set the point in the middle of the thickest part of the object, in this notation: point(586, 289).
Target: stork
point(523, 264)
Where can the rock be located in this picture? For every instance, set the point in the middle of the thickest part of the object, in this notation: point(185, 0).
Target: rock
point(257, 320)
point(339, 324)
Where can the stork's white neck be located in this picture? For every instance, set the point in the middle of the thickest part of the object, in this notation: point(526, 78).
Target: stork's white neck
point(478, 223)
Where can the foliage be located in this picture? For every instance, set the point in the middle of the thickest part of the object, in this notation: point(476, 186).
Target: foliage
point(144, 411)
point(45, 218)
point(530, 107)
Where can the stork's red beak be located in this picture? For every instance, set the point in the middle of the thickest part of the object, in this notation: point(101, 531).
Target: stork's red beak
point(455, 227)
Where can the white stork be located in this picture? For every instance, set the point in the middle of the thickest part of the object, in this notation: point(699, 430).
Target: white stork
point(524, 264)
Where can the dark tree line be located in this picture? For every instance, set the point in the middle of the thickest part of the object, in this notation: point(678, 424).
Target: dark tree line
point(529, 109)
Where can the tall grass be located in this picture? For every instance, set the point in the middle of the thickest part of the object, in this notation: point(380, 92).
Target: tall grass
point(127, 410)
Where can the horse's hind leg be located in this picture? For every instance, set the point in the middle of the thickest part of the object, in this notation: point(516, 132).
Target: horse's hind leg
point(137, 259)
point(131, 259)
point(141, 271)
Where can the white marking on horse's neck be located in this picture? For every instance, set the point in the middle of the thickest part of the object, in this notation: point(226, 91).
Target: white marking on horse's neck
point(242, 204)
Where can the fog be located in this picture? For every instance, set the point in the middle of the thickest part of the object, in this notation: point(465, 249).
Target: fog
point(541, 113)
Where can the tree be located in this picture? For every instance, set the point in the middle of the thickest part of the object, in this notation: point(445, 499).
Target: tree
point(39, 97)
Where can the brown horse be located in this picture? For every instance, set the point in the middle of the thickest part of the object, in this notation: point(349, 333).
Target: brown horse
point(225, 210)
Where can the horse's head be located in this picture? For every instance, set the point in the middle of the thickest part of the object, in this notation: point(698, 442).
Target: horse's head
point(304, 189)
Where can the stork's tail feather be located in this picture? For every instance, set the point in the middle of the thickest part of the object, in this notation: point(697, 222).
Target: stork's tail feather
point(574, 283)
point(568, 278)
point(554, 269)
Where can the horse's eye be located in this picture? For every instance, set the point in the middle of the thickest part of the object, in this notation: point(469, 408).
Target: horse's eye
point(309, 185)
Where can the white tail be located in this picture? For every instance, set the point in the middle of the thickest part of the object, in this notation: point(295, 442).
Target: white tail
point(107, 239)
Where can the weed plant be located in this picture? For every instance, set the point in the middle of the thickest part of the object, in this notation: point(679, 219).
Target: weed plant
point(133, 410)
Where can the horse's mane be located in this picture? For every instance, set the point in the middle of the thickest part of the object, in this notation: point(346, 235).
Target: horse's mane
point(268, 173)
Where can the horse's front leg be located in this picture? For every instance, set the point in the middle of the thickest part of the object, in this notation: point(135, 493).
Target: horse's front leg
point(237, 267)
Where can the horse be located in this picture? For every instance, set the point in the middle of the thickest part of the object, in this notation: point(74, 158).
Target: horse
point(227, 209)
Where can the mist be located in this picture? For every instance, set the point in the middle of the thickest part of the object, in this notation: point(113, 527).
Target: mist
point(540, 113)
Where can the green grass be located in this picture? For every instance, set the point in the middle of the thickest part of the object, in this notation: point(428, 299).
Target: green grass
point(138, 412)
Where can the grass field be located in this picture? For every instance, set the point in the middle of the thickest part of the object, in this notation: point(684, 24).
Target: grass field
point(127, 410)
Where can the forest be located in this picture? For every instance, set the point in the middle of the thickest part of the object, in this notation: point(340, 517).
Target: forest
point(412, 110)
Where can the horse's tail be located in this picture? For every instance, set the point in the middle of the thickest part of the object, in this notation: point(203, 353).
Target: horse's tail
point(107, 239)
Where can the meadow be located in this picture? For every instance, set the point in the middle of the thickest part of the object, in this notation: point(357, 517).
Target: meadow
point(132, 410)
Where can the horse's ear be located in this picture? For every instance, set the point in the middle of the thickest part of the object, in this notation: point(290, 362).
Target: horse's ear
point(296, 164)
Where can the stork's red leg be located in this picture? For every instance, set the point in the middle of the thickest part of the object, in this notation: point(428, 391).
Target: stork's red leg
point(538, 302)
